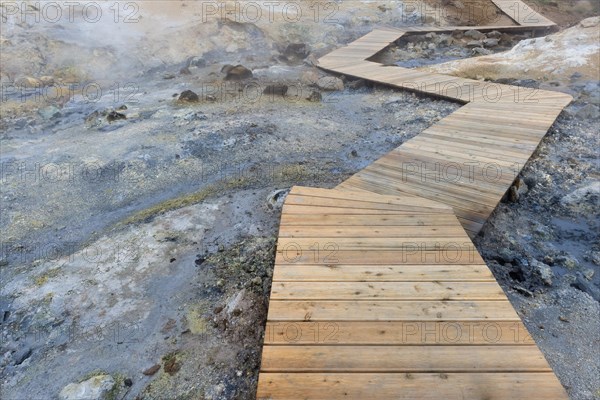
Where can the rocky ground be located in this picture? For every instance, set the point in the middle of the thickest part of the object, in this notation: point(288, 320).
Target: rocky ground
point(139, 221)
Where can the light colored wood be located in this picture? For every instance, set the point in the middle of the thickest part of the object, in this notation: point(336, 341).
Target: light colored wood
point(403, 359)
point(354, 310)
point(410, 386)
point(386, 291)
point(378, 291)
point(449, 333)
point(287, 231)
point(383, 273)
point(289, 221)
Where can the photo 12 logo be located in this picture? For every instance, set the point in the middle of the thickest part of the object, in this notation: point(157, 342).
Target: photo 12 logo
point(270, 11)
point(69, 11)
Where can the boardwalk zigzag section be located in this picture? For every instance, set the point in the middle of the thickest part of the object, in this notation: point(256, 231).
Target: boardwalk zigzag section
point(378, 291)
point(378, 296)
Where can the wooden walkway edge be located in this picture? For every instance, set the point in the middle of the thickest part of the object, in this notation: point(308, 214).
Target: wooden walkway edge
point(378, 291)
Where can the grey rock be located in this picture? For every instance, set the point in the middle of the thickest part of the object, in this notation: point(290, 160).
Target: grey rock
point(568, 262)
point(493, 35)
point(276, 198)
point(315, 96)
point(188, 96)
point(96, 388)
point(589, 111)
point(49, 112)
point(330, 83)
point(589, 274)
point(196, 62)
point(543, 271)
point(474, 34)
point(276, 90)
point(491, 42)
point(474, 43)
point(296, 52)
point(481, 51)
point(234, 302)
point(236, 73)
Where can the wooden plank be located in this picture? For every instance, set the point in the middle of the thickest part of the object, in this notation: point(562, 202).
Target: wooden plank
point(288, 221)
point(330, 254)
point(432, 333)
point(449, 245)
point(382, 273)
point(410, 386)
point(387, 291)
point(410, 232)
point(308, 209)
point(368, 197)
point(354, 310)
point(403, 359)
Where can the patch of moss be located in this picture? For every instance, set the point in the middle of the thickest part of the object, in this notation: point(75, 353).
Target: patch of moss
point(119, 383)
point(91, 374)
point(288, 175)
point(196, 322)
point(171, 366)
point(42, 279)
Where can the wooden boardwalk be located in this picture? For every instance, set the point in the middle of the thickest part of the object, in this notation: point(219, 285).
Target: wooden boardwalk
point(378, 291)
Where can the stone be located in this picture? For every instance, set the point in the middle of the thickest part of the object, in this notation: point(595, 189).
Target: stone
point(296, 52)
point(234, 302)
point(458, 34)
point(311, 60)
point(236, 73)
point(518, 189)
point(49, 112)
point(589, 274)
point(96, 388)
point(506, 38)
point(28, 82)
point(590, 22)
point(474, 43)
point(493, 35)
point(490, 42)
point(276, 90)
point(330, 83)
point(309, 77)
point(196, 62)
point(589, 111)
point(315, 96)
point(568, 262)
point(543, 271)
point(480, 51)
point(152, 370)
point(276, 198)
point(474, 34)
point(114, 116)
point(188, 96)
